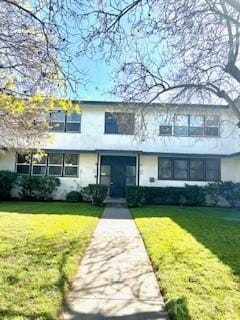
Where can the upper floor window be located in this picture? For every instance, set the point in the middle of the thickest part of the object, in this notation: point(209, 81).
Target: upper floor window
point(189, 169)
point(52, 164)
point(119, 123)
point(185, 125)
point(62, 122)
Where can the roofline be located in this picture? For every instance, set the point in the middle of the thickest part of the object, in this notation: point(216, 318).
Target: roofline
point(146, 153)
point(142, 104)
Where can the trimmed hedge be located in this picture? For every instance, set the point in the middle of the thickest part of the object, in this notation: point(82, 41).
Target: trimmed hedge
point(188, 195)
point(96, 193)
point(135, 196)
point(7, 180)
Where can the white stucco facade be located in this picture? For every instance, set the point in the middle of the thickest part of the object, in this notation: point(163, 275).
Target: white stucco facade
point(145, 149)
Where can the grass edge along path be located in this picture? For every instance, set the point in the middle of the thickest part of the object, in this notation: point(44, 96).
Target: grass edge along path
point(196, 257)
point(41, 245)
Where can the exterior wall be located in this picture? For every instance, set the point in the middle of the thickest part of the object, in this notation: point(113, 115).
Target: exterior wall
point(7, 161)
point(92, 138)
point(92, 135)
point(230, 169)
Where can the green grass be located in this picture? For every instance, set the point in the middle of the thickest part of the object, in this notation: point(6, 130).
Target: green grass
point(196, 255)
point(41, 245)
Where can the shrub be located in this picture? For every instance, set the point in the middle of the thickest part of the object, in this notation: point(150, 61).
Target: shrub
point(188, 195)
point(194, 196)
point(96, 193)
point(230, 191)
point(135, 196)
point(74, 196)
point(212, 189)
point(163, 195)
point(7, 179)
point(37, 188)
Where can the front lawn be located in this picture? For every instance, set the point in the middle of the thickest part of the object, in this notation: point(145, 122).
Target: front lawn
point(41, 245)
point(196, 255)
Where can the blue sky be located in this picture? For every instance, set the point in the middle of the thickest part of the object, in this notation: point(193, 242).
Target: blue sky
point(99, 82)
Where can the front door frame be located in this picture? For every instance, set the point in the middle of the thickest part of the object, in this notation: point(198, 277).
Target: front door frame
point(123, 160)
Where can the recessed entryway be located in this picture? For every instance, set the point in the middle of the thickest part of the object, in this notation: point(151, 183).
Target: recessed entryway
point(117, 172)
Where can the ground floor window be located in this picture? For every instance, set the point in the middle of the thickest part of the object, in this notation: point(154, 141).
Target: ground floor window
point(51, 164)
point(189, 169)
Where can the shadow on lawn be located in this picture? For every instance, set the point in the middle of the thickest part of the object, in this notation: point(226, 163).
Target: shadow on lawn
point(221, 237)
point(49, 208)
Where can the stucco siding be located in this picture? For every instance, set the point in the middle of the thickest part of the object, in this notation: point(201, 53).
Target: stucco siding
point(230, 169)
point(92, 136)
point(7, 161)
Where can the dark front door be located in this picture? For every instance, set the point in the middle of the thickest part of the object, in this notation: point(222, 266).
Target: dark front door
point(118, 180)
point(115, 173)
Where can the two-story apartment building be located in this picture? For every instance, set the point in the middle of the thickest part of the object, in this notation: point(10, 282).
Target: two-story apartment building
point(113, 143)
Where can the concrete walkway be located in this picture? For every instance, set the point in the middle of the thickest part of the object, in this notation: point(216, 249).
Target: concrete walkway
point(115, 279)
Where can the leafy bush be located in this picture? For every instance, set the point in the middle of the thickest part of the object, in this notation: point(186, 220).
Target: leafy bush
point(163, 195)
point(194, 196)
point(188, 195)
point(96, 193)
point(230, 191)
point(212, 189)
point(7, 179)
point(37, 188)
point(74, 196)
point(135, 196)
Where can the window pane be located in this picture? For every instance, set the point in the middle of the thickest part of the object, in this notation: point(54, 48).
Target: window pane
point(74, 117)
point(55, 158)
point(196, 121)
point(39, 170)
point(181, 120)
point(131, 171)
point(23, 158)
point(73, 127)
point(39, 160)
point(110, 123)
point(212, 131)
point(213, 169)
point(165, 169)
point(71, 171)
point(105, 170)
point(165, 130)
point(197, 170)
point(23, 169)
point(58, 121)
point(196, 131)
point(55, 171)
point(119, 123)
point(58, 126)
point(58, 116)
point(130, 181)
point(105, 180)
point(196, 125)
point(211, 121)
point(181, 131)
point(71, 159)
point(181, 169)
point(126, 123)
